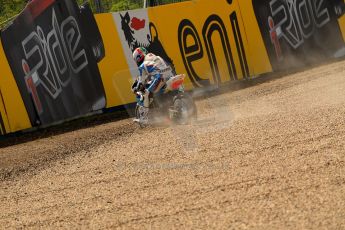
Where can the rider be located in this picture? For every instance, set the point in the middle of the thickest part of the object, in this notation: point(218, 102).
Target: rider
point(153, 75)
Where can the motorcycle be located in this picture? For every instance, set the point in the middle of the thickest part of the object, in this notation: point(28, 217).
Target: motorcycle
point(172, 103)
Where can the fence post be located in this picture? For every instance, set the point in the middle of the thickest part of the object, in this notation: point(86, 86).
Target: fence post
point(98, 5)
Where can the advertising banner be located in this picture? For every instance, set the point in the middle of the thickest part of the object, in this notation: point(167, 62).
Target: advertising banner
point(205, 41)
point(59, 61)
point(53, 48)
point(300, 32)
point(13, 112)
point(136, 30)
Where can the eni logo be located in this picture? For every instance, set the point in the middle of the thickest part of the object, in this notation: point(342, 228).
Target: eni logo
point(192, 49)
point(52, 59)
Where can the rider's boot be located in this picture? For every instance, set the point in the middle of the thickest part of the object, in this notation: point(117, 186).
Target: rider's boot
point(144, 118)
point(143, 109)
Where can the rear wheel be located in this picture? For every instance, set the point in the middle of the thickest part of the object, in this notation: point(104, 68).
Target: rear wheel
point(184, 109)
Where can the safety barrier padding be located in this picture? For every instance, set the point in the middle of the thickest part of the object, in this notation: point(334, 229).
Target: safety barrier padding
point(59, 61)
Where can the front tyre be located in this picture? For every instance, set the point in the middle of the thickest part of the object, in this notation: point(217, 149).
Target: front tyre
point(142, 116)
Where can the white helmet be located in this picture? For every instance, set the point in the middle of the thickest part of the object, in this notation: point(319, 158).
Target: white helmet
point(139, 55)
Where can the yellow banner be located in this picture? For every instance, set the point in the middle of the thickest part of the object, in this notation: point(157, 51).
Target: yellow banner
point(212, 42)
point(12, 107)
point(206, 40)
point(342, 25)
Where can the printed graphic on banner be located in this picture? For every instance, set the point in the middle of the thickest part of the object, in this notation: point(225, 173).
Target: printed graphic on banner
point(136, 30)
point(54, 60)
point(2, 115)
point(297, 32)
point(193, 51)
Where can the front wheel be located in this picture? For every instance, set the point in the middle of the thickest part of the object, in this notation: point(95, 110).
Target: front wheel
point(142, 116)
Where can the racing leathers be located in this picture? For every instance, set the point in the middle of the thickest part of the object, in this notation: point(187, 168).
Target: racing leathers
point(153, 75)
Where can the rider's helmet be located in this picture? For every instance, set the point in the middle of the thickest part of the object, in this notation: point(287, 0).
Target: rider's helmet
point(139, 55)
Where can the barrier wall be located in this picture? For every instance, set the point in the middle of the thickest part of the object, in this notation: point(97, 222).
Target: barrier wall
point(14, 116)
point(210, 46)
point(58, 62)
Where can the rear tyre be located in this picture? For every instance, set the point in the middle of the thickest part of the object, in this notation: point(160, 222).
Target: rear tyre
point(184, 109)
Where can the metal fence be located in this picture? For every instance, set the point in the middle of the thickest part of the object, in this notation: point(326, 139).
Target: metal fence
point(162, 2)
point(102, 6)
point(119, 5)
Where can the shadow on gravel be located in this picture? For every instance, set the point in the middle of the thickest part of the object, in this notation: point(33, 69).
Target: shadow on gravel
point(73, 125)
point(17, 160)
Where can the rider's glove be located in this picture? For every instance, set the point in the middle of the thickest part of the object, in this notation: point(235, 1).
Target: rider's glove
point(135, 87)
point(140, 95)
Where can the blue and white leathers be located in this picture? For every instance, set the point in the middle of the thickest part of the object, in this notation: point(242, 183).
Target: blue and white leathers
point(153, 73)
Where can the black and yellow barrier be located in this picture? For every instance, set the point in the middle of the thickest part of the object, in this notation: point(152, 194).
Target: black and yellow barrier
point(58, 61)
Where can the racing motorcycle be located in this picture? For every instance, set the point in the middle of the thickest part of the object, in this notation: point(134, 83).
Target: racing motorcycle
point(172, 103)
